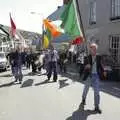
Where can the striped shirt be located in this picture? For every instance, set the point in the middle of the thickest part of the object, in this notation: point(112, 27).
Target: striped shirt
point(53, 56)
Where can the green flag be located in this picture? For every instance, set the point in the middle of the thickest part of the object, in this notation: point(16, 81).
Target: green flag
point(70, 22)
point(48, 34)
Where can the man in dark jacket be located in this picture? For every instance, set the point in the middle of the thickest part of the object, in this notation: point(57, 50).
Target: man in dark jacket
point(16, 63)
point(91, 76)
point(52, 64)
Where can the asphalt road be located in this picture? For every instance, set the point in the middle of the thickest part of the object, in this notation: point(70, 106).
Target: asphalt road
point(37, 99)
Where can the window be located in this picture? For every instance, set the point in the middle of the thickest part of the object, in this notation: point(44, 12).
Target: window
point(114, 46)
point(92, 19)
point(115, 9)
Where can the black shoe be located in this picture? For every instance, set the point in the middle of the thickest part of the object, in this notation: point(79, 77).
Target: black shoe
point(83, 102)
point(54, 80)
point(97, 109)
point(20, 82)
point(48, 79)
point(15, 81)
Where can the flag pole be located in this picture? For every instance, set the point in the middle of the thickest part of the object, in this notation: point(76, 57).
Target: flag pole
point(42, 41)
point(11, 31)
point(82, 27)
point(11, 37)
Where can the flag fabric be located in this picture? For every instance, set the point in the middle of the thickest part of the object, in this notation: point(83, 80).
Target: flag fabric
point(13, 27)
point(70, 22)
point(47, 38)
point(77, 41)
point(46, 42)
point(52, 28)
point(48, 34)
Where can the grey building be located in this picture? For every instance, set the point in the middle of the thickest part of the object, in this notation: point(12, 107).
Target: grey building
point(101, 21)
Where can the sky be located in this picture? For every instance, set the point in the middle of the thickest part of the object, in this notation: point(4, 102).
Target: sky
point(21, 12)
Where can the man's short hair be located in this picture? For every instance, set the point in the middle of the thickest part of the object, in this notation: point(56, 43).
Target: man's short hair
point(93, 45)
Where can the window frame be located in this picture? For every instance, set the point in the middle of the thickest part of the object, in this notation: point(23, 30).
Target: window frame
point(114, 47)
point(92, 12)
point(115, 10)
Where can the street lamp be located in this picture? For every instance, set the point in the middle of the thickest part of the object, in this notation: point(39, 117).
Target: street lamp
point(40, 14)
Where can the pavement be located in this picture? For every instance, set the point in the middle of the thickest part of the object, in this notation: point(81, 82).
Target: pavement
point(37, 99)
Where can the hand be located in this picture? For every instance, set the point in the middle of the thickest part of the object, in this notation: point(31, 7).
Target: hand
point(88, 66)
point(105, 74)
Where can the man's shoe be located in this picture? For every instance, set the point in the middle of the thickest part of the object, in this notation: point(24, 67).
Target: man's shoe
point(48, 79)
point(97, 109)
point(54, 80)
point(83, 102)
point(15, 81)
point(20, 82)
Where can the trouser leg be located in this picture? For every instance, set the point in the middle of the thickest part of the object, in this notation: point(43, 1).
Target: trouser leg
point(95, 81)
point(39, 69)
point(86, 88)
point(55, 71)
point(33, 67)
point(46, 67)
point(60, 64)
point(49, 70)
point(16, 73)
point(28, 64)
point(81, 69)
point(20, 73)
point(64, 67)
point(13, 70)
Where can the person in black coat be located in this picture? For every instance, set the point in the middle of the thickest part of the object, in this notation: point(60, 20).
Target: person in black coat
point(92, 70)
point(16, 65)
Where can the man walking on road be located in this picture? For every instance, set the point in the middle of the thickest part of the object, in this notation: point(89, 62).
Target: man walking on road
point(92, 68)
point(17, 65)
point(52, 65)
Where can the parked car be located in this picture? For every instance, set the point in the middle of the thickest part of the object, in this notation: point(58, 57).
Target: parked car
point(3, 61)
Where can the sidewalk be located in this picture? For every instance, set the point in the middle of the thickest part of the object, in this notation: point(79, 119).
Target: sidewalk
point(107, 86)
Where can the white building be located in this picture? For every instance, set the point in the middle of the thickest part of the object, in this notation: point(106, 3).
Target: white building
point(101, 21)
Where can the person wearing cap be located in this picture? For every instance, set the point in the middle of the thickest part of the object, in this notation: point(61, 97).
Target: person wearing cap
point(91, 76)
point(52, 63)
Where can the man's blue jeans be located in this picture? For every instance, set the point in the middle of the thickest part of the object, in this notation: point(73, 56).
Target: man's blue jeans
point(17, 72)
point(52, 67)
point(94, 81)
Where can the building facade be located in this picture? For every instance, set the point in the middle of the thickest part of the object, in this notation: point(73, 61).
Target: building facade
point(101, 21)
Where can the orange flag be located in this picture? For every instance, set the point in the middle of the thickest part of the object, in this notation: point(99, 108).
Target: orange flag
point(52, 28)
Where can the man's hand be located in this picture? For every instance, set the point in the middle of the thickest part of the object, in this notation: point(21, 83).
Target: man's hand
point(88, 67)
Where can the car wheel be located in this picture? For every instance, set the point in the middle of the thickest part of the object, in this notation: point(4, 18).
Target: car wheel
point(5, 69)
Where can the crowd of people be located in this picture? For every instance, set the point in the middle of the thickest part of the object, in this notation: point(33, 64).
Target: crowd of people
point(52, 61)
